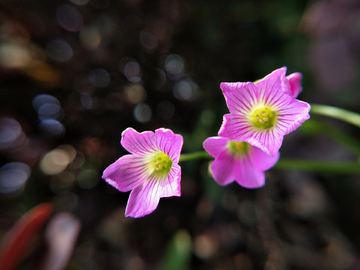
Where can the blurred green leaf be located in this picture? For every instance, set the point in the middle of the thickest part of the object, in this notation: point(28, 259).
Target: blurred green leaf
point(178, 252)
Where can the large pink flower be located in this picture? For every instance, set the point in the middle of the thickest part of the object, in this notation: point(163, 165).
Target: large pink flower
point(238, 161)
point(151, 171)
point(262, 113)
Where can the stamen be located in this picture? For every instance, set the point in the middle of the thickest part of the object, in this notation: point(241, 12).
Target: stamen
point(263, 118)
point(238, 148)
point(160, 165)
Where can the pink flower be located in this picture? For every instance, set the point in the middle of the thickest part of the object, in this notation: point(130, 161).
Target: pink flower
point(238, 161)
point(262, 113)
point(151, 171)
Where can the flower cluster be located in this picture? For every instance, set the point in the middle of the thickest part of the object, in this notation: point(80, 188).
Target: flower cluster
point(248, 143)
point(261, 114)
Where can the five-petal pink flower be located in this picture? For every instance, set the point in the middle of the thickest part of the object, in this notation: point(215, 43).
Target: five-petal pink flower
point(262, 113)
point(151, 171)
point(238, 161)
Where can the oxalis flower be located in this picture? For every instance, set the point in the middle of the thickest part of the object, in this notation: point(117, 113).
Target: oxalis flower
point(238, 161)
point(262, 113)
point(151, 171)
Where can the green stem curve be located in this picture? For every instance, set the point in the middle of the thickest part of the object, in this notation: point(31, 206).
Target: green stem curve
point(302, 165)
point(319, 166)
point(195, 155)
point(341, 114)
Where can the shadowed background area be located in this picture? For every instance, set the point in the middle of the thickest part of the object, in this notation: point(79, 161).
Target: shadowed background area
point(74, 74)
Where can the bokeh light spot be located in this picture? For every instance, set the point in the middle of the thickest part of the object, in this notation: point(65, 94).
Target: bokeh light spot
point(69, 18)
point(70, 150)
point(174, 66)
point(99, 77)
point(59, 50)
point(185, 90)
point(50, 111)
point(132, 71)
point(86, 101)
point(13, 176)
point(148, 41)
point(135, 263)
point(205, 246)
point(142, 112)
point(51, 127)
point(88, 178)
point(54, 162)
point(42, 99)
point(90, 37)
point(11, 134)
point(135, 93)
point(14, 55)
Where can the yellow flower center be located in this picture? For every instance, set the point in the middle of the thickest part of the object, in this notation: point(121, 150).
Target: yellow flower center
point(238, 148)
point(263, 118)
point(160, 165)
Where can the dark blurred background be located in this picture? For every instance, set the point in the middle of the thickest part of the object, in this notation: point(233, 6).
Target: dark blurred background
point(74, 74)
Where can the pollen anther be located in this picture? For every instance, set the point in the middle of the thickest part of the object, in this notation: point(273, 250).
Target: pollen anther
point(238, 148)
point(263, 118)
point(160, 165)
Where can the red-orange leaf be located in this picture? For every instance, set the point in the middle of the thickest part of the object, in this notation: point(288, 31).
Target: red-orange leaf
point(19, 237)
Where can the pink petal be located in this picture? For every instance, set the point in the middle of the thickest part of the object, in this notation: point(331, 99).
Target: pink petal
point(275, 91)
point(126, 173)
point(268, 141)
point(145, 198)
point(262, 161)
point(247, 175)
point(240, 97)
point(235, 127)
point(295, 80)
point(222, 168)
point(172, 185)
point(293, 115)
point(215, 145)
point(272, 87)
point(169, 143)
point(138, 143)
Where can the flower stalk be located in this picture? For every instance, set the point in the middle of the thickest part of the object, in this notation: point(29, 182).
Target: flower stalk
point(334, 112)
point(347, 167)
point(195, 155)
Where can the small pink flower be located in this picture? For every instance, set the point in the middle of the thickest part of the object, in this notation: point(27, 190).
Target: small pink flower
point(238, 161)
point(262, 113)
point(151, 171)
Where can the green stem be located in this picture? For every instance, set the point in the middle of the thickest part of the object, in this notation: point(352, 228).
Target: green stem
point(313, 126)
point(302, 165)
point(319, 166)
point(344, 115)
point(195, 155)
